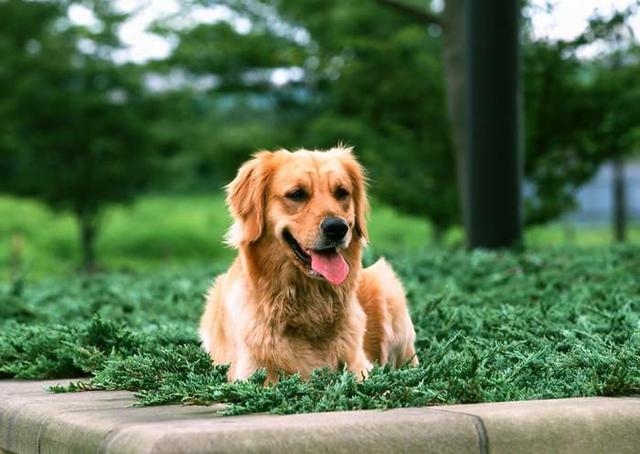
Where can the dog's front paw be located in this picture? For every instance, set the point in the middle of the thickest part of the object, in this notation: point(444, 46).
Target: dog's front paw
point(361, 370)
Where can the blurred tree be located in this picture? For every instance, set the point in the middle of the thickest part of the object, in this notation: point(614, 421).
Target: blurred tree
point(374, 74)
point(381, 76)
point(618, 134)
point(80, 131)
point(579, 113)
point(72, 121)
point(226, 106)
point(371, 78)
point(565, 111)
point(557, 115)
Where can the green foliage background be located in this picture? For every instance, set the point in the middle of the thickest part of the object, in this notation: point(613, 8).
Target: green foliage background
point(170, 232)
point(490, 327)
point(156, 232)
point(82, 129)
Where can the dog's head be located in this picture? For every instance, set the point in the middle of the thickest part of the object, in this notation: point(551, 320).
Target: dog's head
point(311, 204)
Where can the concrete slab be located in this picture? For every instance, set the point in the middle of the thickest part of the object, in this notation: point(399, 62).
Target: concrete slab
point(33, 420)
point(579, 425)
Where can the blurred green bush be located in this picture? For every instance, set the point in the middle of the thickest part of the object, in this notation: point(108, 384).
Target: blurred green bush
point(171, 231)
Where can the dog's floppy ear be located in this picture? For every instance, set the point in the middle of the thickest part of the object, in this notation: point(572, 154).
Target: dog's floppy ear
point(246, 198)
point(359, 180)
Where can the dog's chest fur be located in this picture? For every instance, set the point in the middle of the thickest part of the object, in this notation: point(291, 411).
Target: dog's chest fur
point(308, 314)
point(301, 319)
point(303, 310)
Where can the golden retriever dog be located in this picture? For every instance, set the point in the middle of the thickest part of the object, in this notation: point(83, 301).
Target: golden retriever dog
point(296, 298)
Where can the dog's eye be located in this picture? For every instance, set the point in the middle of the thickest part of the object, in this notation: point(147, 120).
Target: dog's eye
point(297, 195)
point(341, 193)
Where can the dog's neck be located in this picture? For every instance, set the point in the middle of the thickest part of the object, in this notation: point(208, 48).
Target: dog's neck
point(288, 299)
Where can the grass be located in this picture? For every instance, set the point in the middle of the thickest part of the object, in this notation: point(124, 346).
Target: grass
point(491, 326)
point(174, 231)
point(567, 234)
point(157, 232)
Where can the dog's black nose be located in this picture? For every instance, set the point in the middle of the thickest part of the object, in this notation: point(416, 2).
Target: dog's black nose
point(334, 228)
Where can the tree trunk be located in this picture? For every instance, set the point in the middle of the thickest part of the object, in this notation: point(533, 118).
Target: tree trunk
point(437, 234)
point(453, 45)
point(16, 251)
point(494, 146)
point(88, 224)
point(453, 55)
point(619, 202)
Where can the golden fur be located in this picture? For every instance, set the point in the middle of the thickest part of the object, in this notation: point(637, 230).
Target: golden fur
point(269, 310)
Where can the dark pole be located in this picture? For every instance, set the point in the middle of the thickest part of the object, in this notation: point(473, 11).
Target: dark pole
point(619, 202)
point(494, 149)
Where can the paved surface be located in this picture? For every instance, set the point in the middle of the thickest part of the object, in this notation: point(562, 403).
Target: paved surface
point(34, 421)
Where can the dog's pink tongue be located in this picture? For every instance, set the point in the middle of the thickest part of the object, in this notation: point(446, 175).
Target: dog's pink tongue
point(331, 265)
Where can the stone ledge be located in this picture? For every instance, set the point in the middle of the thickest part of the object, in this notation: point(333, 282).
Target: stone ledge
point(32, 420)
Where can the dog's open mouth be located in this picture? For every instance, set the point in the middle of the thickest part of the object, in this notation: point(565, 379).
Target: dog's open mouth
point(297, 249)
point(327, 263)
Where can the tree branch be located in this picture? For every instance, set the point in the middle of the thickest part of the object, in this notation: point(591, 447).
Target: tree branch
point(416, 13)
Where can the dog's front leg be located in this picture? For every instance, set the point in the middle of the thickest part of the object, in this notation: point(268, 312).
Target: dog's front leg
point(243, 367)
point(353, 348)
point(359, 365)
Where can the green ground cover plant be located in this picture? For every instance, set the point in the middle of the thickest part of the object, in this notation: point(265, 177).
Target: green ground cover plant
point(491, 326)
